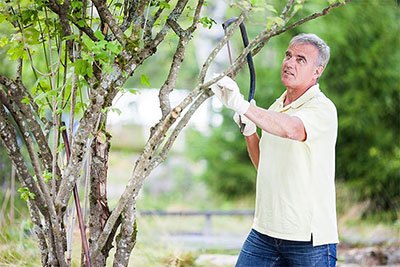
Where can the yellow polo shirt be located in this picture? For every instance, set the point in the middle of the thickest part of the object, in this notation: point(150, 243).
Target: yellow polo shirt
point(296, 180)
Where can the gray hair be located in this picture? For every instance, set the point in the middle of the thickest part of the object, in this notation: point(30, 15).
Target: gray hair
point(310, 38)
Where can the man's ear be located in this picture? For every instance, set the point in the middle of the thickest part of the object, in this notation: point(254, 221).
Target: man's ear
point(318, 71)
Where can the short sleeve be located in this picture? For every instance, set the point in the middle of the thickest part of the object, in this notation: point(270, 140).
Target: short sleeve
point(319, 117)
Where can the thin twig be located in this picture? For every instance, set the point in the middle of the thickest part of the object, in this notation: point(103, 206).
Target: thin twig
point(108, 19)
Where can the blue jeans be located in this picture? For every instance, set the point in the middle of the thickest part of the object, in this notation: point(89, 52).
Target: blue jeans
point(264, 251)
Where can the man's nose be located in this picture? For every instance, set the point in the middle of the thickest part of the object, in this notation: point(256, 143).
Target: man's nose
point(290, 62)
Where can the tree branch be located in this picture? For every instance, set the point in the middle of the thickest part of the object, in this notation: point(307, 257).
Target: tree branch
point(196, 16)
point(42, 194)
point(126, 238)
point(16, 93)
point(19, 70)
point(136, 13)
point(99, 210)
point(258, 43)
point(29, 143)
point(170, 81)
point(138, 176)
point(107, 18)
point(184, 37)
point(61, 11)
point(101, 97)
point(216, 50)
point(150, 47)
point(129, 13)
point(9, 139)
point(264, 36)
point(45, 250)
point(204, 95)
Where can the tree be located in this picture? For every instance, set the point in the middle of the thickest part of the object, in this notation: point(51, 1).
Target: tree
point(73, 57)
point(365, 86)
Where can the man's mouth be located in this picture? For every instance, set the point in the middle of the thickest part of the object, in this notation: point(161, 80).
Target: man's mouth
point(287, 72)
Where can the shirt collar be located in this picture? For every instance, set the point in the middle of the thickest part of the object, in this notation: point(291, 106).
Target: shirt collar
point(310, 93)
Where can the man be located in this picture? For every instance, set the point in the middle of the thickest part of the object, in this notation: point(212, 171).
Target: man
point(295, 213)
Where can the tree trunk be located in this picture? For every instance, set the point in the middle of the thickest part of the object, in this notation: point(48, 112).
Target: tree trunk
point(99, 210)
point(126, 239)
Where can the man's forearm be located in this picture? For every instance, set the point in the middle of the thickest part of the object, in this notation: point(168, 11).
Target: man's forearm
point(253, 148)
point(276, 123)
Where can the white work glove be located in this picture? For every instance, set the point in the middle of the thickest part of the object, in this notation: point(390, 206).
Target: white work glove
point(250, 127)
point(227, 91)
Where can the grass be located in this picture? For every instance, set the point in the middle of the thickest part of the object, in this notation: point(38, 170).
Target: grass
point(18, 246)
point(171, 187)
point(154, 247)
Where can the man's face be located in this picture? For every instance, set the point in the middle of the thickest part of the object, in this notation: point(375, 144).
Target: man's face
point(299, 67)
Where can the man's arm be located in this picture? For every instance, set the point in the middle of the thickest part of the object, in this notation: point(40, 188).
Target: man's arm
point(252, 143)
point(272, 122)
point(276, 123)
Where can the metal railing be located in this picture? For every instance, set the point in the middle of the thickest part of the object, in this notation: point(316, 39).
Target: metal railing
point(208, 214)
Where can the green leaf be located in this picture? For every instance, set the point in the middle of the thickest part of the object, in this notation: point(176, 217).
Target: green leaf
point(47, 176)
point(88, 42)
point(71, 37)
point(32, 35)
point(144, 79)
point(41, 89)
point(99, 35)
point(4, 41)
point(80, 106)
point(2, 17)
point(116, 110)
point(102, 56)
point(25, 194)
point(297, 7)
point(164, 4)
point(26, 100)
point(207, 22)
point(81, 23)
point(60, 147)
point(82, 67)
point(132, 91)
point(27, 16)
point(17, 51)
point(77, 4)
point(114, 47)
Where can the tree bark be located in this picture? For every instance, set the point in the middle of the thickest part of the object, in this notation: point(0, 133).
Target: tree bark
point(99, 210)
point(126, 238)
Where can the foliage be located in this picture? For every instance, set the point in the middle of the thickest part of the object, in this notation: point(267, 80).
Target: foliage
point(26, 194)
point(17, 245)
point(363, 80)
point(365, 85)
point(229, 171)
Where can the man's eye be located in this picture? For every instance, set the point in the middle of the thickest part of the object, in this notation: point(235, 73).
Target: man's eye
point(301, 60)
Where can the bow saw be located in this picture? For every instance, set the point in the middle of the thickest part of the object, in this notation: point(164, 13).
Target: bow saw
point(249, 59)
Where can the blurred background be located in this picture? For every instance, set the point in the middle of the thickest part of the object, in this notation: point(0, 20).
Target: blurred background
point(196, 208)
